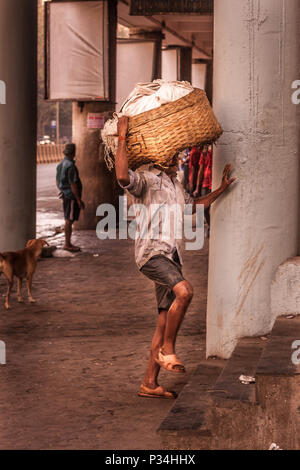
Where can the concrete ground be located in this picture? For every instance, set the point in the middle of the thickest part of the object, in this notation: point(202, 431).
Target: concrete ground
point(76, 358)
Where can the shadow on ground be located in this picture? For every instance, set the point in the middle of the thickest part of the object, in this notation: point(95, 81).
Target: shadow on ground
point(76, 358)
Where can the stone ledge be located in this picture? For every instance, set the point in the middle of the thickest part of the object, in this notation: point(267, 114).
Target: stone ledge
point(285, 289)
point(188, 413)
point(276, 359)
point(244, 361)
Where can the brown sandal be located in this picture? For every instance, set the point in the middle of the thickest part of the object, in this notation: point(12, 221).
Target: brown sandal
point(158, 392)
point(170, 362)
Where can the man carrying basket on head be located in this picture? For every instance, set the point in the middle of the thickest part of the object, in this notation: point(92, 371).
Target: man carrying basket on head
point(160, 259)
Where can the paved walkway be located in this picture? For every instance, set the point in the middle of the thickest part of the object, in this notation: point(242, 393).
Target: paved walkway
point(76, 358)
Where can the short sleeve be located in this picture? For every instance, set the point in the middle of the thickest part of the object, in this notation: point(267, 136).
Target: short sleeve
point(72, 175)
point(137, 183)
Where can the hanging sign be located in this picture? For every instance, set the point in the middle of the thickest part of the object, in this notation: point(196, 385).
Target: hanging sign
point(95, 121)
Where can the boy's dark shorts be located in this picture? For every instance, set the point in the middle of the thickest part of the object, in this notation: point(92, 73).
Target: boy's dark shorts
point(71, 209)
point(166, 274)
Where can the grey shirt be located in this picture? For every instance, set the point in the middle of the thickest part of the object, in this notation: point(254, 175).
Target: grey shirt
point(160, 196)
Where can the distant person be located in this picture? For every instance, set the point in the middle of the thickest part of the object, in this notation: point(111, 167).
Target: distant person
point(69, 184)
point(195, 155)
point(180, 172)
point(186, 170)
point(204, 180)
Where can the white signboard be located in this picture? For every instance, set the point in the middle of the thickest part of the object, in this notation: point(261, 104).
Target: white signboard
point(78, 50)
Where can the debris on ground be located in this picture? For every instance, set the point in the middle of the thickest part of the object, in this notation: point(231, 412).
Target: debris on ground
point(274, 446)
point(62, 254)
point(48, 251)
point(247, 379)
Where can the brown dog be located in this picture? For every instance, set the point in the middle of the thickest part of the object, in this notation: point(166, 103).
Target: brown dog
point(21, 263)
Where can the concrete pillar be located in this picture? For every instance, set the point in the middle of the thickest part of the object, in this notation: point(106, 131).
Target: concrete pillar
point(255, 226)
point(209, 81)
point(99, 185)
point(98, 182)
point(185, 64)
point(18, 52)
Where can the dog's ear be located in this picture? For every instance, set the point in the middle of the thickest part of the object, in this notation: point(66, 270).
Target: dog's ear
point(29, 243)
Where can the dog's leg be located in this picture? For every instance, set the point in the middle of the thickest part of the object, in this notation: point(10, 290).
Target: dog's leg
point(20, 290)
point(9, 288)
point(29, 285)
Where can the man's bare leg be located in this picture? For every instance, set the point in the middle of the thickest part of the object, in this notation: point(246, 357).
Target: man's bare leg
point(175, 315)
point(153, 368)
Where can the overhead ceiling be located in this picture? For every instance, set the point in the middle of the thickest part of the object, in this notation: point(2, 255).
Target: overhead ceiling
point(191, 30)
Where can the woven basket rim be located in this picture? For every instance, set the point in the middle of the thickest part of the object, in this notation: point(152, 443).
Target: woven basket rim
point(165, 109)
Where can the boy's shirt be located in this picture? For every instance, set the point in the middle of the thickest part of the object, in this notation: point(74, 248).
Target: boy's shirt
point(67, 174)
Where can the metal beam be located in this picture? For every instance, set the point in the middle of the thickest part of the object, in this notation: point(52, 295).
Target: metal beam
point(187, 27)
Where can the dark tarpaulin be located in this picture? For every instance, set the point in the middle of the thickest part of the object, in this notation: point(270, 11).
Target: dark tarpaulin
point(155, 7)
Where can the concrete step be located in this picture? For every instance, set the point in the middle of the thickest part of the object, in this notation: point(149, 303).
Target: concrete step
point(216, 411)
point(244, 361)
point(278, 385)
point(188, 413)
point(213, 380)
point(277, 358)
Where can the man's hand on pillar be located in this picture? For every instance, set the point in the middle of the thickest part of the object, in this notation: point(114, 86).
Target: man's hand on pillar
point(226, 180)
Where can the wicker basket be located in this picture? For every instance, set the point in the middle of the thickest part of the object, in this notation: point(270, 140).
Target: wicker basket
point(157, 135)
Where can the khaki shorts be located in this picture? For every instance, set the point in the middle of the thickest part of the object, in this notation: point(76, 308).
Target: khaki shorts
point(165, 274)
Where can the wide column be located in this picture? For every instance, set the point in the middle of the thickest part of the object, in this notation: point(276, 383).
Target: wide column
point(99, 185)
point(18, 71)
point(255, 226)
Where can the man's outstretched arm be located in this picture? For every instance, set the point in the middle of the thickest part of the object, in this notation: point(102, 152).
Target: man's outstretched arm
point(207, 200)
point(121, 162)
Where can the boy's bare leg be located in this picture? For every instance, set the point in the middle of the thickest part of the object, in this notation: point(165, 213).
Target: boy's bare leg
point(68, 233)
point(153, 368)
point(175, 315)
